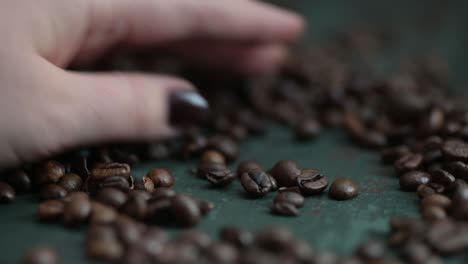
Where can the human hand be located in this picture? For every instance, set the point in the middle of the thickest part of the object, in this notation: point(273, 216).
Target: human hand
point(45, 109)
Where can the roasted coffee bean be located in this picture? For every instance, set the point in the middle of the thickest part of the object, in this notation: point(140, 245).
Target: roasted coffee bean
point(416, 252)
point(247, 166)
point(50, 172)
point(256, 183)
point(457, 169)
point(50, 210)
point(290, 189)
point(408, 162)
point(443, 177)
point(7, 194)
point(204, 168)
point(237, 132)
point(307, 129)
point(274, 183)
point(424, 190)
point(41, 255)
point(19, 180)
point(136, 207)
point(101, 232)
point(135, 254)
point(160, 211)
point(284, 208)
point(197, 238)
point(285, 172)
point(228, 147)
point(80, 166)
point(290, 197)
point(433, 213)
point(162, 193)
point(274, 238)
point(300, 250)
point(102, 214)
point(128, 230)
point(205, 206)
point(371, 250)
point(343, 189)
point(153, 241)
point(390, 155)
point(432, 143)
point(105, 170)
point(142, 194)
point(240, 238)
point(221, 252)
point(455, 150)
point(221, 178)
point(71, 182)
point(185, 210)
point(161, 177)
point(436, 200)
point(112, 197)
point(373, 139)
point(116, 182)
point(144, 183)
point(76, 211)
point(52, 191)
point(106, 250)
point(311, 182)
point(448, 237)
point(212, 156)
point(412, 179)
point(432, 157)
point(75, 195)
point(460, 192)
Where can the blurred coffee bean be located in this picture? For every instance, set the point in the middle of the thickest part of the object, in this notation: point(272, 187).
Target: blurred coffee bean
point(19, 180)
point(412, 179)
point(52, 191)
point(161, 177)
point(50, 210)
point(7, 194)
point(41, 255)
point(50, 172)
point(112, 197)
point(71, 182)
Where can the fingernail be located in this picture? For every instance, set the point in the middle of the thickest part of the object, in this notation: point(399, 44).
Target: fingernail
point(187, 108)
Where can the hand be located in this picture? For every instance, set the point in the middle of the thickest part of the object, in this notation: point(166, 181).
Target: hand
point(45, 109)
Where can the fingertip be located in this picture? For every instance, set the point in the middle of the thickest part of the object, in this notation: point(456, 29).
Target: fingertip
point(264, 60)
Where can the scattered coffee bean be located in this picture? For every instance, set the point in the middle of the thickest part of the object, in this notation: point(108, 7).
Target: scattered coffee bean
point(52, 191)
point(390, 155)
point(436, 200)
point(256, 183)
point(144, 183)
point(41, 255)
point(212, 156)
point(371, 250)
point(102, 214)
point(455, 150)
point(7, 194)
point(290, 197)
point(19, 180)
point(205, 206)
point(247, 166)
point(221, 252)
point(221, 178)
point(443, 177)
point(433, 213)
point(136, 207)
point(76, 211)
point(311, 182)
point(307, 129)
point(412, 179)
point(285, 172)
point(284, 208)
point(50, 210)
point(408, 162)
point(161, 177)
point(228, 147)
point(71, 182)
point(162, 193)
point(185, 210)
point(197, 238)
point(238, 237)
point(204, 168)
point(112, 197)
point(343, 189)
point(50, 172)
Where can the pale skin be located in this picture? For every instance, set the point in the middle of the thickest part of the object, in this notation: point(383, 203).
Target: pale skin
point(45, 109)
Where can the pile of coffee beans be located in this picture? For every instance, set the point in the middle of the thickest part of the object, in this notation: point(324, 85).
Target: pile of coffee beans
point(408, 116)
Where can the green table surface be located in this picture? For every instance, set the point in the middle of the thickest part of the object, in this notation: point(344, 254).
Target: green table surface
point(326, 224)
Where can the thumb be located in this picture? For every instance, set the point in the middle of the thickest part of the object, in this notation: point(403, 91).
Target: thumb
point(122, 107)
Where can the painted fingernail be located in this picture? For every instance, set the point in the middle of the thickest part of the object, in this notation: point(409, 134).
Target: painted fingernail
point(187, 108)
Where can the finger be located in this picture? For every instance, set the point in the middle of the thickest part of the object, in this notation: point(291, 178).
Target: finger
point(243, 59)
point(127, 107)
point(144, 22)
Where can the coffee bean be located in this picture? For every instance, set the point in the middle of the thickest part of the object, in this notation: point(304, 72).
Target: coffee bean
point(225, 145)
point(284, 208)
point(106, 250)
point(212, 156)
point(412, 179)
point(238, 132)
point(290, 189)
point(160, 211)
point(50, 172)
point(436, 200)
point(247, 166)
point(52, 191)
point(457, 169)
point(76, 211)
point(415, 252)
point(50, 210)
point(197, 238)
point(285, 172)
point(116, 182)
point(447, 237)
point(424, 190)
point(161, 177)
point(153, 241)
point(162, 193)
point(76, 195)
point(135, 254)
point(274, 183)
point(102, 214)
point(307, 129)
point(221, 178)
point(408, 162)
point(41, 255)
point(443, 177)
point(136, 207)
point(433, 213)
point(19, 180)
point(71, 182)
point(144, 183)
point(7, 194)
point(273, 238)
point(80, 166)
point(105, 170)
point(371, 250)
point(221, 252)
point(205, 206)
point(311, 182)
point(455, 150)
point(112, 197)
point(300, 250)
point(238, 237)
point(185, 210)
point(128, 230)
point(390, 155)
point(256, 183)
point(204, 168)
point(343, 189)
point(141, 194)
point(290, 197)
point(101, 232)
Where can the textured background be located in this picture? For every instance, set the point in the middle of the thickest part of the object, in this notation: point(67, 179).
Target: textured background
point(327, 224)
